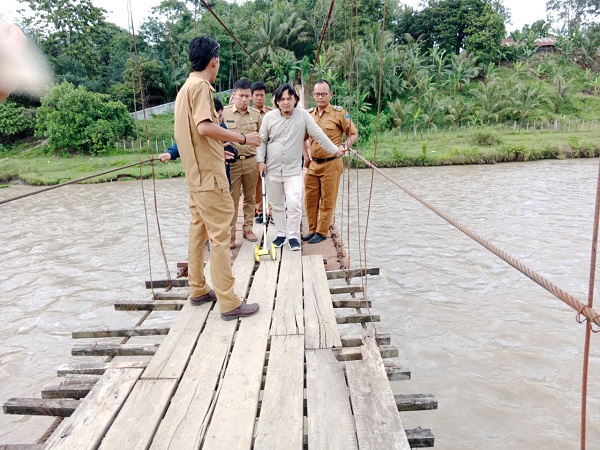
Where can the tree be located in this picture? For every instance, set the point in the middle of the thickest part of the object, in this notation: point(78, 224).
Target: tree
point(573, 14)
point(15, 122)
point(77, 120)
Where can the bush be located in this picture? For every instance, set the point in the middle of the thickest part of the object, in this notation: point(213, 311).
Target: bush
point(486, 137)
point(77, 120)
point(15, 122)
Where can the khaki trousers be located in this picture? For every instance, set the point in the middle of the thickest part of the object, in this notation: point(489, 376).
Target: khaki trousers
point(243, 179)
point(211, 213)
point(321, 184)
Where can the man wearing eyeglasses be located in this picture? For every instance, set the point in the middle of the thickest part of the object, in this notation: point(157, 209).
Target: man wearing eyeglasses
point(322, 178)
point(200, 141)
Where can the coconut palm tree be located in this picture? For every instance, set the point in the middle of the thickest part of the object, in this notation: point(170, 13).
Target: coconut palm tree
point(463, 68)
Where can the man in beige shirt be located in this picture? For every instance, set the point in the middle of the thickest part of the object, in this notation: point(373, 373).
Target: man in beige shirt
point(242, 118)
point(200, 142)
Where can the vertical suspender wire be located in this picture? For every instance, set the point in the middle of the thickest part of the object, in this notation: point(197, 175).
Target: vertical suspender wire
point(356, 44)
point(325, 27)
point(588, 328)
point(173, 59)
point(164, 255)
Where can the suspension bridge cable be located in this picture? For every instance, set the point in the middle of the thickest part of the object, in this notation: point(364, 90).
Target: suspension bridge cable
point(325, 26)
point(78, 180)
point(567, 298)
point(210, 10)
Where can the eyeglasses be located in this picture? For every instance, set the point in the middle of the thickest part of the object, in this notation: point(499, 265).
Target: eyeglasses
point(215, 49)
point(321, 94)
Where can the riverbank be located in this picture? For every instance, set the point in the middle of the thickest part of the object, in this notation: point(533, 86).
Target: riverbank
point(31, 165)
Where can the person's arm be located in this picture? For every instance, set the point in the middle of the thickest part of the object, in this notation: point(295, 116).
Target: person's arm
point(212, 130)
point(319, 135)
point(306, 153)
point(261, 150)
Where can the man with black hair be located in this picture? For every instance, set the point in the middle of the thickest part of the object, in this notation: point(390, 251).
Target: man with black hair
point(200, 142)
point(243, 118)
point(279, 159)
point(259, 95)
point(322, 178)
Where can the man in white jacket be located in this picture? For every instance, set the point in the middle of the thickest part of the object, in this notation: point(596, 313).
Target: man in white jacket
point(279, 158)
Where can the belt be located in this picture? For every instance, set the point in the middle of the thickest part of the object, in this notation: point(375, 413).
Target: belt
point(322, 160)
point(246, 156)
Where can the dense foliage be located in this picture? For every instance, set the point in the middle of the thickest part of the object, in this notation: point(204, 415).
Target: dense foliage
point(15, 122)
point(440, 66)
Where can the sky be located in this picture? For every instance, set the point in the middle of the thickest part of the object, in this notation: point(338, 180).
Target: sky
point(523, 11)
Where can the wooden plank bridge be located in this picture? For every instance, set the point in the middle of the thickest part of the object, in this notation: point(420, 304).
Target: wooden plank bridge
point(282, 379)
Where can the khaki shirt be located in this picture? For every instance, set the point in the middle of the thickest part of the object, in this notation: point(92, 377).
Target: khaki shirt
point(247, 122)
point(202, 157)
point(335, 122)
point(265, 109)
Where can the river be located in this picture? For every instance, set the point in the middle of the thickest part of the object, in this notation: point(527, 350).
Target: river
point(502, 356)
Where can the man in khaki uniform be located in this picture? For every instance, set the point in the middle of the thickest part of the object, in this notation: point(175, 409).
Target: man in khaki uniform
point(322, 179)
point(200, 142)
point(242, 118)
point(259, 95)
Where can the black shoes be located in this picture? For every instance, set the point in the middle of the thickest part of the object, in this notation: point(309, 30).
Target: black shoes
point(244, 310)
point(294, 244)
point(209, 297)
point(307, 237)
point(278, 242)
point(316, 238)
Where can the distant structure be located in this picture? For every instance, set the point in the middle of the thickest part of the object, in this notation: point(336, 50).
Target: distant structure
point(546, 44)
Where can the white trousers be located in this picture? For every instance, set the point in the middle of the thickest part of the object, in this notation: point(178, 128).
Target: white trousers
point(285, 195)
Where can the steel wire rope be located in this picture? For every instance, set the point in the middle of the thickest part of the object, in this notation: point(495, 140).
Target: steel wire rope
point(132, 37)
point(210, 10)
point(590, 304)
point(581, 308)
point(325, 26)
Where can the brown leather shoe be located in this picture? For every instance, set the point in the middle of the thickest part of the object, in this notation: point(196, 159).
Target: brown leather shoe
point(244, 310)
point(250, 236)
point(209, 297)
point(232, 243)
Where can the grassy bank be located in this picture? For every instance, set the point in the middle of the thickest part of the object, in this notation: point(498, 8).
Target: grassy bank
point(30, 164)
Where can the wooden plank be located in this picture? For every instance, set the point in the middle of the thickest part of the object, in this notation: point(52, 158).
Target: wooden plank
point(357, 318)
point(88, 424)
point(98, 368)
point(280, 424)
point(22, 446)
point(40, 407)
point(320, 325)
point(351, 303)
point(179, 295)
point(356, 341)
point(415, 402)
point(350, 289)
point(395, 370)
point(420, 438)
point(150, 305)
point(161, 284)
point(351, 273)
point(330, 423)
point(175, 351)
point(138, 420)
point(122, 332)
point(186, 420)
point(68, 390)
point(355, 353)
point(376, 416)
point(115, 350)
point(244, 372)
point(288, 315)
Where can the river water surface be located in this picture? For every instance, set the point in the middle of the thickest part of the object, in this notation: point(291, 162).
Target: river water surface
point(502, 356)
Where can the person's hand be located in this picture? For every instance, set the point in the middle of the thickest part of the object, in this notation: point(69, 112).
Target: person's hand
point(164, 157)
point(341, 151)
point(307, 162)
point(253, 139)
point(262, 169)
point(229, 155)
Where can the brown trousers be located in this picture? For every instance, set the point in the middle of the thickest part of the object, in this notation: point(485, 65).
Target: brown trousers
point(321, 184)
point(211, 213)
point(243, 179)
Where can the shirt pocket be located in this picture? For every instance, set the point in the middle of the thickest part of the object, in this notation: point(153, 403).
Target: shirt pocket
point(232, 124)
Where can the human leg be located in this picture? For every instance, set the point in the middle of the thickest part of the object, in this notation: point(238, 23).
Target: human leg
point(329, 182)
point(276, 193)
point(293, 203)
point(312, 193)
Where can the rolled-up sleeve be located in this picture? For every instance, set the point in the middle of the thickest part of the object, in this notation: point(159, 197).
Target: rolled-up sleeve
point(318, 135)
point(261, 151)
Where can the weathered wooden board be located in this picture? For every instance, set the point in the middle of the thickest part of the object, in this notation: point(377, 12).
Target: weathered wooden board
point(68, 390)
point(351, 273)
point(121, 332)
point(320, 325)
point(238, 399)
point(88, 424)
point(188, 416)
point(376, 416)
point(395, 370)
point(351, 303)
point(415, 402)
point(174, 353)
point(357, 318)
point(114, 349)
point(22, 447)
point(150, 305)
point(138, 420)
point(280, 424)
point(179, 295)
point(350, 289)
point(40, 407)
point(288, 315)
point(326, 391)
point(98, 368)
point(160, 284)
point(356, 341)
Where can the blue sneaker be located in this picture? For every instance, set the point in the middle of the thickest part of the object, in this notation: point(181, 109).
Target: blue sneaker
point(294, 244)
point(278, 242)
